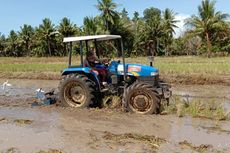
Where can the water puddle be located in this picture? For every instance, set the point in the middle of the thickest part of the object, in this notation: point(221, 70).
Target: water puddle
point(29, 129)
point(32, 129)
point(201, 132)
point(26, 88)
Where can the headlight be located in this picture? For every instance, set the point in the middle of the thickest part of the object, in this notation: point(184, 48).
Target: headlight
point(154, 73)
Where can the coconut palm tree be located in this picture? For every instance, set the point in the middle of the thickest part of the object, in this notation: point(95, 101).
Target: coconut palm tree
point(135, 16)
point(12, 45)
point(2, 43)
point(153, 30)
point(66, 29)
point(207, 23)
point(25, 37)
point(169, 24)
point(90, 26)
point(46, 33)
point(107, 9)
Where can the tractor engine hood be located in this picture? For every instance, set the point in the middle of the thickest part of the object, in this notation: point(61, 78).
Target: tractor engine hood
point(137, 70)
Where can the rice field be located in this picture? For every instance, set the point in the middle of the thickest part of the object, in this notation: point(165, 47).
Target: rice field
point(166, 65)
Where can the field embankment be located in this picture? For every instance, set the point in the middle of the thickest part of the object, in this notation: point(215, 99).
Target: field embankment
point(178, 70)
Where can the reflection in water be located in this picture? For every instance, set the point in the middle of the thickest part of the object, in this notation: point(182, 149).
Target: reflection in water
point(44, 127)
point(40, 134)
point(194, 132)
point(27, 88)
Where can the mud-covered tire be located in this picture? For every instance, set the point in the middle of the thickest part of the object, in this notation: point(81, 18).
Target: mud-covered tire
point(76, 90)
point(141, 98)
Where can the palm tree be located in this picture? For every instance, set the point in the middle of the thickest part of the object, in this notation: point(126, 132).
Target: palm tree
point(25, 37)
point(135, 16)
point(153, 30)
point(2, 43)
point(207, 23)
point(46, 32)
point(107, 9)
point(90, 26)
point(12, 44)
point(66, 28)
point(169, 24)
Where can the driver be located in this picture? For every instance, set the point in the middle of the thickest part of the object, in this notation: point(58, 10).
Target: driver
point(90, 61)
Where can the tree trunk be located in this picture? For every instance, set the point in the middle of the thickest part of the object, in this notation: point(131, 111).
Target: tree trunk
point(155, 43)
point(166, 48)
point(65, 50)
point(208, 45)
point(49, 48)
point(27, 48)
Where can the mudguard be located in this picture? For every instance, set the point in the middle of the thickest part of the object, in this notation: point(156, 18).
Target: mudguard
point(82, 70)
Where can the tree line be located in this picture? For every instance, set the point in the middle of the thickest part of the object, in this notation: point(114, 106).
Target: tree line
point(151, 33)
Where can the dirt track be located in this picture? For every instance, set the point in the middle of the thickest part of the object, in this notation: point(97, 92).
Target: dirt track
point(42, 128)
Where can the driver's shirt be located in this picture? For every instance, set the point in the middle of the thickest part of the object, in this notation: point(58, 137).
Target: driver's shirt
point(86, 63)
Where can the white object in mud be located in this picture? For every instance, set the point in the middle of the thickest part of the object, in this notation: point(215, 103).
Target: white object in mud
point(40, 94)
point(5, 85)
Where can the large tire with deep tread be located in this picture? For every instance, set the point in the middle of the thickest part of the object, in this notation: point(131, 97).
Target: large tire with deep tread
point(76, 90)
point(141, 98)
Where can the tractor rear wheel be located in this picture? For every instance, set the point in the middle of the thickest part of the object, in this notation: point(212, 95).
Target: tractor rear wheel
point(76, 90)
point(141, 98)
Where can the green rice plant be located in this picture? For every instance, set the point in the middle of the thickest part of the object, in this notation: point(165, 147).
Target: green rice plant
point(205, 109)
point(166, 65)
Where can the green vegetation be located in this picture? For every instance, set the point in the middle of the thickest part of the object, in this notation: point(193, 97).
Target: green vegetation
point(167, 65)
point(209, 109)
point(209, 25)
point(148, 34)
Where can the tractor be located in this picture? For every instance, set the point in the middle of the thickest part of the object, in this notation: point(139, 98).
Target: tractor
point(139, 86)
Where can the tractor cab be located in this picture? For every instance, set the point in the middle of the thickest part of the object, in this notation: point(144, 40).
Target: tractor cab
point(84, 84)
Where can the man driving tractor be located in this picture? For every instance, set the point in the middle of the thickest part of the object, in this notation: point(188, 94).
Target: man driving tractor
point(98, 66)
point(139, 85)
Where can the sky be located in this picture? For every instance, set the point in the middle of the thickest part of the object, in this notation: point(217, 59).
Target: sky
point(15, 13)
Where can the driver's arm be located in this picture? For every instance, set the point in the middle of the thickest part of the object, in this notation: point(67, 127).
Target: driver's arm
point(86, 63)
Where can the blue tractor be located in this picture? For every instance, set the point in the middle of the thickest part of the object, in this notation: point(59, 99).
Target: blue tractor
point(138, 85)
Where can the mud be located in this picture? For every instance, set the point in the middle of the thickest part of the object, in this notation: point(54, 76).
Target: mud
point(197, 79)
point(185, 79)
point(54, 129)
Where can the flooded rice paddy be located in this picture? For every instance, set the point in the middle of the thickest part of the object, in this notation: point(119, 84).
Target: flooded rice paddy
point(28, 129)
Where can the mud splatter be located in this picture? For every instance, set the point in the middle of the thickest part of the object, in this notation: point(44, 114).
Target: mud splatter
point(152, 141)
point(2, 119)
point(11, 150)
point(201, 148)
point(51, 151)
point(23, 121)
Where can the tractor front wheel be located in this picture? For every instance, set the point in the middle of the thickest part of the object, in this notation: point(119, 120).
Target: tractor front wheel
point(76, 91)
point(141, 98)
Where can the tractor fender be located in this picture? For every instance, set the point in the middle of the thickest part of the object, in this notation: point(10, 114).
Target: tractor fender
point(85, 71)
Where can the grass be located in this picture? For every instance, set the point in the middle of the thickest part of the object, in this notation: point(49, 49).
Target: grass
point(188, 65)
point(184, 65)
point(208, 109)
point(184, 69)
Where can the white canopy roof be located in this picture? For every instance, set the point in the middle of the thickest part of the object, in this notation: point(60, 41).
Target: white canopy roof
point(96, 37)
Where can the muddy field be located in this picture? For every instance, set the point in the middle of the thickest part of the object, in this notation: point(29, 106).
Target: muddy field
point(54, 129)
